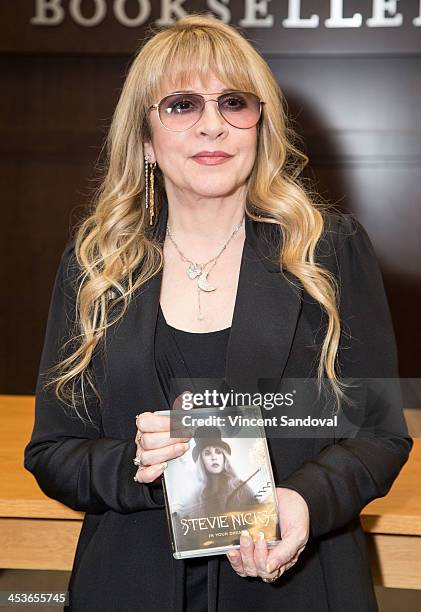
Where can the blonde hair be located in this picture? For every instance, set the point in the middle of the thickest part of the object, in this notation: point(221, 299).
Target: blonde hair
point(113, 240)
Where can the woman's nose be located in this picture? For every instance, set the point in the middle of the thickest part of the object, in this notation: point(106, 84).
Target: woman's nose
point(211, 118)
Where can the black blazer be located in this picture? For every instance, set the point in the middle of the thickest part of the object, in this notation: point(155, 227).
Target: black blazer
point(123, 558)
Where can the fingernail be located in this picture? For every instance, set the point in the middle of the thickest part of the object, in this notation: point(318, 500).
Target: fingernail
point(271, 566)
point(261, 535)
point(245, 533)
point(164, 465)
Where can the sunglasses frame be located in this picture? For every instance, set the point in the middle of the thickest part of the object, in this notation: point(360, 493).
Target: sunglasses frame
point(157, 105)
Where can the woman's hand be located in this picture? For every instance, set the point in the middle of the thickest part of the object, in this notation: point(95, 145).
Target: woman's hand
point(257, 560)
point(155, 446)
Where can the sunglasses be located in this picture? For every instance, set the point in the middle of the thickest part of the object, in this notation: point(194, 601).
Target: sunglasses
point(181, 111)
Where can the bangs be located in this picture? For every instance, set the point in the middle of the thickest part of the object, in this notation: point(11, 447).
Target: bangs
point(199, 54)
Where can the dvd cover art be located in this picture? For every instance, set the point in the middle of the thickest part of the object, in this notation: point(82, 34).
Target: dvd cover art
point(222, 485)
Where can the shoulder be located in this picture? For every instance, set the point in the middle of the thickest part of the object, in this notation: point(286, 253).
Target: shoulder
point(338, 227)
point(68, 255)
point(68, 273)
point(344, 241)
point(69, 249)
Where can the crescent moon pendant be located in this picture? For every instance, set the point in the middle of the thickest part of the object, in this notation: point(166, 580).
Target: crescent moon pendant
point(203, 284)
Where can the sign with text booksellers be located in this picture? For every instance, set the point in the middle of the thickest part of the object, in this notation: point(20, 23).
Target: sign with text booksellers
point(331, 27)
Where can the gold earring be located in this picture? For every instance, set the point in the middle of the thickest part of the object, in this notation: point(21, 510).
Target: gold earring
point(152, 195)
point(150, 188)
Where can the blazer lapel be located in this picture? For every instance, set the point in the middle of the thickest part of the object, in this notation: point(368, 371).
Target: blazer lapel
point(265, 315)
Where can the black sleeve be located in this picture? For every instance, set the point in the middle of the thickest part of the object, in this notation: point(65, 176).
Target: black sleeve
point(71, 460)
point(351, 472)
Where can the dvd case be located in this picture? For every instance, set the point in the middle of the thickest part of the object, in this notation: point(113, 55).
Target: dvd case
point(222, 485)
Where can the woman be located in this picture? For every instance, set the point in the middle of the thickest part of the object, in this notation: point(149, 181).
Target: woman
point(221, 489)
point(219, 197)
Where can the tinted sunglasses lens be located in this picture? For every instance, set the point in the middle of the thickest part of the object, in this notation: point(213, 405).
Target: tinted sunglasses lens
point(240, 109)
point(181, 111)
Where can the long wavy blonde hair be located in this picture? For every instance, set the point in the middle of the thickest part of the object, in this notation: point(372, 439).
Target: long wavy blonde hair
point(113, 239)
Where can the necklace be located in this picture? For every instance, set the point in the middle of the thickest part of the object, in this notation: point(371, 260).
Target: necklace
point(195, 269)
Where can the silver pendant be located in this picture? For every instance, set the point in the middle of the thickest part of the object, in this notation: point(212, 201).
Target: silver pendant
point(193, 270)
point(203, 283)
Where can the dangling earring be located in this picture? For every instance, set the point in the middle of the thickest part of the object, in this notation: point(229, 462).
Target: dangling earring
point(150, 188)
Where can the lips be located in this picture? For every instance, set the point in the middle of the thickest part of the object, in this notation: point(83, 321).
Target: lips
point(211, 158)
point(212, 154)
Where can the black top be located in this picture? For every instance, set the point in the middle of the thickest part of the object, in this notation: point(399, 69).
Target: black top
point(181, 355)
point(190, 356)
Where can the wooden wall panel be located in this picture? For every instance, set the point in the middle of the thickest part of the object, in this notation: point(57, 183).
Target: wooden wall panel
point(52, 124)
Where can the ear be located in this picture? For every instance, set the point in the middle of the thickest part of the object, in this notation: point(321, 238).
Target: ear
point(149, 150)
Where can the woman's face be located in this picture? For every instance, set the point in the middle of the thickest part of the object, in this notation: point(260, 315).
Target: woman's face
point(213, 458)
point(174, 151)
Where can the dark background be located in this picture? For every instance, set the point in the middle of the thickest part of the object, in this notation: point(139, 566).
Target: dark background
point(354, 94)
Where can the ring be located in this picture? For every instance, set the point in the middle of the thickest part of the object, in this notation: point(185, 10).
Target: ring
point(139, 435)
point(137, 461)
point(273, 579)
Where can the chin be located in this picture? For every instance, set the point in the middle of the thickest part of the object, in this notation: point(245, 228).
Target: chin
point(205, 184)
point(208, 187)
